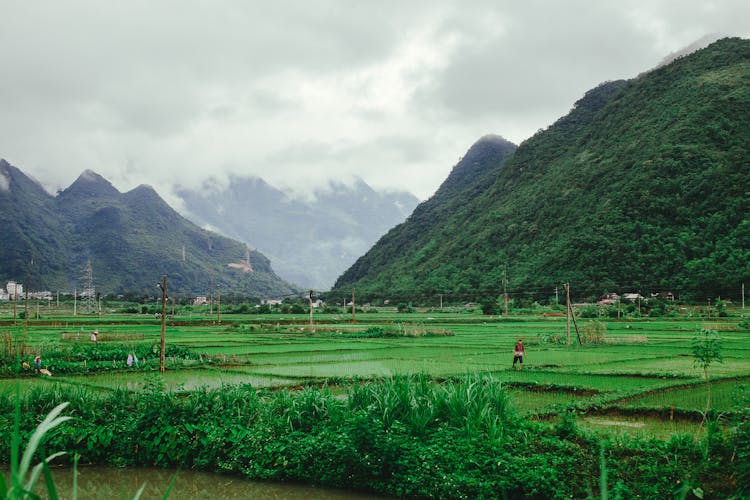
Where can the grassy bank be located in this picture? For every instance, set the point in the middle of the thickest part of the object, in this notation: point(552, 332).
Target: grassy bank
point(404, 436)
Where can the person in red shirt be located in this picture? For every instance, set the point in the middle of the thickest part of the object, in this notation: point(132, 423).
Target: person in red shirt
point(518, 354)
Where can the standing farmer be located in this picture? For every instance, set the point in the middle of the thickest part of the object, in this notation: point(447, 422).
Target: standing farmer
point(518, 354)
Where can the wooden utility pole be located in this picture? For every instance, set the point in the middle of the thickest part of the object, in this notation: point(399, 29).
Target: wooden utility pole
point(354, 307)
point(709, 308)
point(26, 304)
point(441, 303)
point(15, 302)
point(619, 303)
point(311, 308)
point(575, 324)
point(211, 298)
point(218, 305)
point(743, 295)
point(75, 302)
point(567, 313)
point(162, 351)
point(505, 290)
point(570, 315)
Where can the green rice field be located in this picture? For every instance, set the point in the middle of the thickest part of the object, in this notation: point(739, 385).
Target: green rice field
point(643, 366)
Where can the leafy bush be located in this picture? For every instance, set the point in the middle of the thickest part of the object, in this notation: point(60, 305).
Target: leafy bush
point(594, 332)
point(401, 436)
point(403, 307)
point(742, 461)
point(490, 307)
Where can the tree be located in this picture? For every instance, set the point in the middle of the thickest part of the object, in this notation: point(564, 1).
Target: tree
point(490, 306)
point(706, 349)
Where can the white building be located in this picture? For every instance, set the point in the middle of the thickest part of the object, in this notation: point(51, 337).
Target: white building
point(14, 289)
point(632, 297)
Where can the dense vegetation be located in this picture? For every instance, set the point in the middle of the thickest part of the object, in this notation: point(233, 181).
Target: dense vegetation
point(131, 240)
point(399, 436)
point(385, 403)
point(643, 186)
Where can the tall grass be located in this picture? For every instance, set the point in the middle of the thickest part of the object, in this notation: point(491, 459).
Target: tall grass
point(476, 403)
point(401, 436)
point(23, 477)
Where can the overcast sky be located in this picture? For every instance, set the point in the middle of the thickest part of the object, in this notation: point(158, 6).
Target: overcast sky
point(301, 92)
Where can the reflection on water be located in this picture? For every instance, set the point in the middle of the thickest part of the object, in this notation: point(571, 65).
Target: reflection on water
point(108, 482)
point(177, 380)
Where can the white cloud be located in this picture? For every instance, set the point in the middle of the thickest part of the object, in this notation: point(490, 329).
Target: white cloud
point(301, 93)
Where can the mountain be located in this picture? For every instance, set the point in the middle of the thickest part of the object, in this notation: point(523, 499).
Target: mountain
point(644, 185)
point(34, 239)
point(310, 241)
point(131, 240)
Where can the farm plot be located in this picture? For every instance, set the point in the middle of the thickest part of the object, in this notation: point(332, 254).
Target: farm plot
point(639, 356)
point(726, 396)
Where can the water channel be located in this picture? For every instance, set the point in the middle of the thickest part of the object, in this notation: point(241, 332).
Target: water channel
point(96, 482)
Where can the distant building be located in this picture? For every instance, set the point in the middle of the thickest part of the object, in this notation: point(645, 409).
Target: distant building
point(271, 302)
point(632, 297)
point(608, 299)
point(14, 290)
point(45, 295)
point(663, 295)
point(200, 300)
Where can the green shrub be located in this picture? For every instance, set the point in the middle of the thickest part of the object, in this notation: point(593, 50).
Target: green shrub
point(400, 436)
point(403, 307)
point(594, 332)
point(742, 460)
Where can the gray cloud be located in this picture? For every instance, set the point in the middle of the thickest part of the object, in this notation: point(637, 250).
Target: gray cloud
point(304, 92)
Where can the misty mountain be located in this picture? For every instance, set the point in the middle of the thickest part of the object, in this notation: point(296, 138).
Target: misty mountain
point(131, 240)
point(644, 185)
point(310, 241)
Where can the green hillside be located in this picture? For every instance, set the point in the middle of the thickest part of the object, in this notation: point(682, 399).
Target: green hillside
point(644, 185)
point(131, 240)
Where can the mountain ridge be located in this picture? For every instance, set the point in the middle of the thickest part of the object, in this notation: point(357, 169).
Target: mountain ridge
point(309, 240)
point(643, 185)
point(130, 238)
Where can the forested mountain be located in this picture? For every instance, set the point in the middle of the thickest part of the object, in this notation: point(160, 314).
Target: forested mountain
point(131, 240)
point(643, 186)
point(309, 241)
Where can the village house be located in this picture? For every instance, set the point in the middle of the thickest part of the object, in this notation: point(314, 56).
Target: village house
point(608, 299)
point(14, 288)
point(632, 297)
point(663, 295)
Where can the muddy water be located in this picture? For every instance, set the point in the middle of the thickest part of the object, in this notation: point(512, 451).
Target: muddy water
point(106, 482)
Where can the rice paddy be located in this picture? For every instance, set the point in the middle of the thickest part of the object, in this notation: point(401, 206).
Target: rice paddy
point(643, 365)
